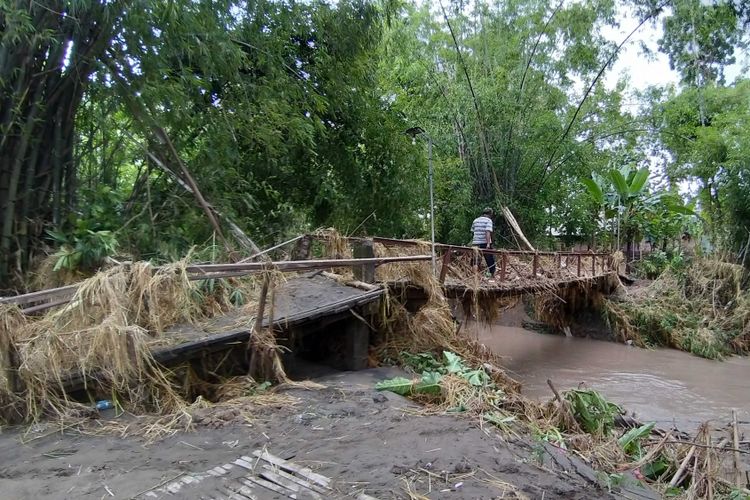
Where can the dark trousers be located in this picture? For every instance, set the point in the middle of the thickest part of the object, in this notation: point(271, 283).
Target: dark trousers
point(488, 258)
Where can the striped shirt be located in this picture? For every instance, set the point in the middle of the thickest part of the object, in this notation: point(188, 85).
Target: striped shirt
point(479, 227)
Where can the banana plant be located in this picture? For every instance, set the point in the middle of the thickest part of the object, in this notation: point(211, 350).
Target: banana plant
point(628, 183)
point(623, 193)
point(630, 186)
point(597, 187)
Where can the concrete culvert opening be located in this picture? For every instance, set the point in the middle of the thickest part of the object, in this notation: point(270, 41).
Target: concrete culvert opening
point(340, 345)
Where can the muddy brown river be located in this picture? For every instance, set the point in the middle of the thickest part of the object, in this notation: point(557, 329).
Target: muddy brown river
point(662, 385)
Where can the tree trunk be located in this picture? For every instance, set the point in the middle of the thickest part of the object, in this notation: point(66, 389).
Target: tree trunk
point(43, 75)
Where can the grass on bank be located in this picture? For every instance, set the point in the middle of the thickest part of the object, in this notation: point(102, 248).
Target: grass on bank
point(581, 423)
point(702, 307)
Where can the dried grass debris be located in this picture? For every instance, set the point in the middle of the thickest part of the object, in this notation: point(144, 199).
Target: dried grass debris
point(703, 308)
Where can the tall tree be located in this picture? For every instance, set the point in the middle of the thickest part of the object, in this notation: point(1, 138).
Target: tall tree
point(48, 52)
point(272, 105)
point(498, 86)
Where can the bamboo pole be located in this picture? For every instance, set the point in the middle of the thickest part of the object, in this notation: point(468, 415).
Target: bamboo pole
point(258, 254)
point(398, 242)
point(681, 470)
point(707, 470)
point(444, 267)
point(296, 265)
point(255, 354)
point(40, 295)
point(513, 223)
point(213, 271)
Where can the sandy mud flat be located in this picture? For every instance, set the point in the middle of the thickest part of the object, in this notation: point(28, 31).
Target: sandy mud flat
point(365, 441)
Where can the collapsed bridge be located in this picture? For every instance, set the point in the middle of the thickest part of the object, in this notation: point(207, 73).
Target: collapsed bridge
point(333, 310)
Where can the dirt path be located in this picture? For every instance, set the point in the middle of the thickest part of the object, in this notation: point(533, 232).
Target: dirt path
point(363, 440)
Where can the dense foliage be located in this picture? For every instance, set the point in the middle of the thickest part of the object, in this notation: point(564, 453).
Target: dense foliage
point(287, 116)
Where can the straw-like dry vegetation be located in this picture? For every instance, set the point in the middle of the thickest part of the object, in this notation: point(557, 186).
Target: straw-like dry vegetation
point(100, 345)
point(105, 335)
point(581, 423)
point(703, 308)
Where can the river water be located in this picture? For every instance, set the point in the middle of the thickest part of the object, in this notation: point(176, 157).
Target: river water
point(662, 385)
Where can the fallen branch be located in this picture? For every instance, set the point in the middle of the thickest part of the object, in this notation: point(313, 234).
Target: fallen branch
point(567, 408)
point(188, 178)
point(718, 447)
point(258, 254)
point(554, 391)
point(683, 466)
point(368, 287)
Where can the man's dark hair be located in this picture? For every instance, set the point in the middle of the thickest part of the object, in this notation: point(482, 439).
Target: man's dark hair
point(488, 211)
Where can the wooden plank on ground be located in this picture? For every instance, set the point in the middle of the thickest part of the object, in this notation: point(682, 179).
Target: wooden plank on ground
point(302, 471)
point(283, 482)
point(294, 478)
point(252, 481)
point(242, 491)
point(244, 464)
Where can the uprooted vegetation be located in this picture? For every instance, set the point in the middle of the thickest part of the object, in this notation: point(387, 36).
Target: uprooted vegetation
point(702, 308)
point(100, 343)
point(104, 339)
point(579, 422)
point(107, 332)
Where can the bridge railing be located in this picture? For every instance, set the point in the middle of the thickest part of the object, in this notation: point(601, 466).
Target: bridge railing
point(35, 302)
point(513, 264)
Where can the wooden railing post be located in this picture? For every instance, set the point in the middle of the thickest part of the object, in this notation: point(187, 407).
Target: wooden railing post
point(364, 250)
point(503, 265)
point(444, 267)
point(593, 265)
point(534, 265)
point(579, 264)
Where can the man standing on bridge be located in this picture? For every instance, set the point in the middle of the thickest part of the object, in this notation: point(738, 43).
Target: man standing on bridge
point(481, 229)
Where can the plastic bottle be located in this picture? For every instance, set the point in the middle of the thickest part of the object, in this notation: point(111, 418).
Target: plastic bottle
point(104, 404)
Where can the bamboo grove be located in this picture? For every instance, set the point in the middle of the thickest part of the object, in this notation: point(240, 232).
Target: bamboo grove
point(124, 122)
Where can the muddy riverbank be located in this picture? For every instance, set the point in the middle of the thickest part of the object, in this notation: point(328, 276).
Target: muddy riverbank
point(366, 441)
